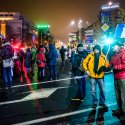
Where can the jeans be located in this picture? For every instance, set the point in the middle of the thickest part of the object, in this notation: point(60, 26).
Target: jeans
point(28, 70)
point(7, 74)
point(81, 87)
point(100, 82)
point(52, 72)
point(41, 71)
point(120, 93)
point(63, 62)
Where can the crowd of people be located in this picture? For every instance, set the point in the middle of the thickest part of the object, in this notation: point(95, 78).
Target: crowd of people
point(92, 63)
point(16, 62)
point(94, 66)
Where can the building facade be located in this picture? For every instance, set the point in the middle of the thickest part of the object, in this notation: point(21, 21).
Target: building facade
point(104, 28)
point(17, 28)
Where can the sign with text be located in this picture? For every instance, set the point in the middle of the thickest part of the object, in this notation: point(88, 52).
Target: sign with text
point(89, 32)
point(89, 39)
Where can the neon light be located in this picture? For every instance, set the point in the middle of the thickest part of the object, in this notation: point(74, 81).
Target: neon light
point(43, 26)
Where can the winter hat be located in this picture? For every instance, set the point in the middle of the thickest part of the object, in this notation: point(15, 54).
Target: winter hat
point(42, 49)
point(80, 47)
point(97, 47)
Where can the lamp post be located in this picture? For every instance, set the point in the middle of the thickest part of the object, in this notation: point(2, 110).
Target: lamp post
point(80, 30)
point(79, 25)
point(42, 30)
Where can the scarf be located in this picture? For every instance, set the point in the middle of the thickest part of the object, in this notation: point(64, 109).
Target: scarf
point(96, 62)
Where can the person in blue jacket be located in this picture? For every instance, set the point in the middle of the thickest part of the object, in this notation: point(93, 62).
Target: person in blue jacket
point(52, 62)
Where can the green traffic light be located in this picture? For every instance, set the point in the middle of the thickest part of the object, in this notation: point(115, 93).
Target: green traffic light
point(43, 26)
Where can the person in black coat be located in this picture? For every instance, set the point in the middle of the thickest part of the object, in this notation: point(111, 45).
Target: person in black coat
point(62, 53)
point(78, 71)
point(28, 58)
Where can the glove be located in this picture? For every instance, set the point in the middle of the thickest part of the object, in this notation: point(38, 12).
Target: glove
point(118, 67)
point(102, 69)
point(88, 73)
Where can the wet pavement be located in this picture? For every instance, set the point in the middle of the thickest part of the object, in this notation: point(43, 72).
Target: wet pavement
point(48, 103)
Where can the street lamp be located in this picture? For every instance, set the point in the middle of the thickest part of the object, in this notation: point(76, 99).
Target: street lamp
point(80, 28)
point(72, 23)
point(79, 25)
point(110, 3)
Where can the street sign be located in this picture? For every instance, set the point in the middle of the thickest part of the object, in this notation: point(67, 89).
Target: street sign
point(89, 32)
point(105, 27)
point(108, 7)
point(120, 31)
point(89, 39)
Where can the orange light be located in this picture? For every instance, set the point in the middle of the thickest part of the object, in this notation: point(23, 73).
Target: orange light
point(3, 29)
point(6, 18)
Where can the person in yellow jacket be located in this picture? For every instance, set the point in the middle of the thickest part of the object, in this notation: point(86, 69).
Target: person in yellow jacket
point(94, 65)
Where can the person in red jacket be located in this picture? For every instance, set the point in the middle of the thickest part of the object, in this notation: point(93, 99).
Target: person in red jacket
point(41, 66)
point(118, 63)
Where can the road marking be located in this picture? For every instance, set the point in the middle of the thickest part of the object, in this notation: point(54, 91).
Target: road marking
point(37, 83)
point(42, 89)
point(47, 82)
point(58, 116)
point(37, 94)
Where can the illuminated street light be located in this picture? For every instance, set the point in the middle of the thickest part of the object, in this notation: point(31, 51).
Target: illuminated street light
point(80, 21)
point(87, 23)
point(110, 3)
point(72, 23)
point(80, 28)
point(79, 25)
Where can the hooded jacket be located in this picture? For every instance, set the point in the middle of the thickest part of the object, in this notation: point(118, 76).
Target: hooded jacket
point(52, 55)
point(79, 57)
point(7, 51)
point(76, 66)
point(33, 52)
point(118, 62)
point(41, 57)
point(88, 65)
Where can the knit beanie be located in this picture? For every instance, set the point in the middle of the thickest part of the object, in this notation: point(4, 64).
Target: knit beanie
point(80, 47)
point(97, 47)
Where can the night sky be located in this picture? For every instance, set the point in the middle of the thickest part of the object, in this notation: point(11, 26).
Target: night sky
point(57, 13)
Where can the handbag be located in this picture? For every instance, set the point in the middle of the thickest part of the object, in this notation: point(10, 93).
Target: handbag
point(8, 63)
point(38, 61)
